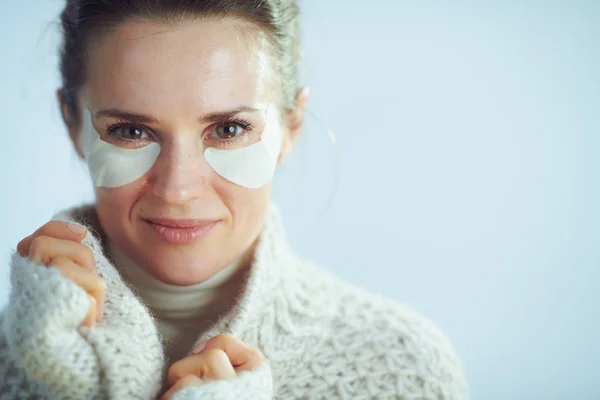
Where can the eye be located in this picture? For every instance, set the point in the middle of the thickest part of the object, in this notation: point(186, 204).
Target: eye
point(229, 130)
point(130, 132)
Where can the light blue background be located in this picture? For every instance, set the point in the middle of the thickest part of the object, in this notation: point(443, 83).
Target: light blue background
point(469, 175)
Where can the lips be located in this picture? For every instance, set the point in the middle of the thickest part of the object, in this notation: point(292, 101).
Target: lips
point(181, 231)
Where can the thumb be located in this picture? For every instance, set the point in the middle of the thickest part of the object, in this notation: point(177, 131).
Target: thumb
point(241, 356)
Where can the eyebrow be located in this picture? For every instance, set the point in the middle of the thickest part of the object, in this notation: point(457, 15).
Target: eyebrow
point(122, 114)
point(145, 119)
point(227, 115)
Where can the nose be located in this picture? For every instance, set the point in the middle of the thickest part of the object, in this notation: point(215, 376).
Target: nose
point(181, 173)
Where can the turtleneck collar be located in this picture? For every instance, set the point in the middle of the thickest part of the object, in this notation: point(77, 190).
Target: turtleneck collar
point(171, 302)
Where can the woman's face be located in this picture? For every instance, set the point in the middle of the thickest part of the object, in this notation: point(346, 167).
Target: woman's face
point(182, 89)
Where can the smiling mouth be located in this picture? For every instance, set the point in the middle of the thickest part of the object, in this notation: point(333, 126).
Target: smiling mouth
point(181, 231)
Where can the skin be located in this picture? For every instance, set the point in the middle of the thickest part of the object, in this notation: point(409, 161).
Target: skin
point(176, 75)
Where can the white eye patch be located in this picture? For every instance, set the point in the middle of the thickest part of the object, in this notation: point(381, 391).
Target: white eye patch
point(111, 166)
point(253, 166)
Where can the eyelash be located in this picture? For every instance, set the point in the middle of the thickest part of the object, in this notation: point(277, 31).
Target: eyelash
point(242, 123)
point(111, 129)
point(246, 125)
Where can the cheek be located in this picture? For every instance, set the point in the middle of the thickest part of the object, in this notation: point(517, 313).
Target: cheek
point(114, 206)
point(245, 205)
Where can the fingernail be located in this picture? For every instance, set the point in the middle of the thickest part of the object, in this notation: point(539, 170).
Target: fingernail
point(306, 91)
point(199, 348)
point(76, 228)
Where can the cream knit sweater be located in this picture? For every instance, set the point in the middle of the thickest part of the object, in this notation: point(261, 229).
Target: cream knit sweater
point(322, 338)
point(180, 312)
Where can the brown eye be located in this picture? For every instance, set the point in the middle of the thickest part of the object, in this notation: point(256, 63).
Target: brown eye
point(131, 132)
point(229, 131)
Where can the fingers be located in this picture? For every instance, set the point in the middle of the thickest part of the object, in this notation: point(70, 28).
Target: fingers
point(186, 381)
point(44, 249)
point(241, 356)
point(56, 229)
point(221, 357)
point(89, 281)
point(211, 364)
point(92, 314)
point(58, 244)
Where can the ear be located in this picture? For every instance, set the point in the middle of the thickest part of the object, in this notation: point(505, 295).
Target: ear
point(71, 121)
point(294, 121)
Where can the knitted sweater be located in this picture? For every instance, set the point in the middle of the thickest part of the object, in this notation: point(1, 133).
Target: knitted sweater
point(180, 312)
point(321, 337)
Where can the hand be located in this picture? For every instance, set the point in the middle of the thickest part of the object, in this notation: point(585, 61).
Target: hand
point(221, 357)
point(58, 244)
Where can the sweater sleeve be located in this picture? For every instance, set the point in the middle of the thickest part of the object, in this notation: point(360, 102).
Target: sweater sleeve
point(41, 330)
point(47, 351)
point(14, 382)
point(248, 385)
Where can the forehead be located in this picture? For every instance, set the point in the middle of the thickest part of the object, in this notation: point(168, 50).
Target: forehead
point(199, 66)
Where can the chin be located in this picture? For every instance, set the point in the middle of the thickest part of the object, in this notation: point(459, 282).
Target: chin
point(192, 263)
point(183, 268)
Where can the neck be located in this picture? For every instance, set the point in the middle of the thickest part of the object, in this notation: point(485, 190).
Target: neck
point(171, 302)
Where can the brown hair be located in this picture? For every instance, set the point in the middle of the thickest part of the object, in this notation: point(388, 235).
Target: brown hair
point(81, 19)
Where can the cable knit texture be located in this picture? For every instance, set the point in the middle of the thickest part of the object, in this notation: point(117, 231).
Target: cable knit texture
point(321, 337)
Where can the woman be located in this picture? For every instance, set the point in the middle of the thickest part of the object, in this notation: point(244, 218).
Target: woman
point(178, 283)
